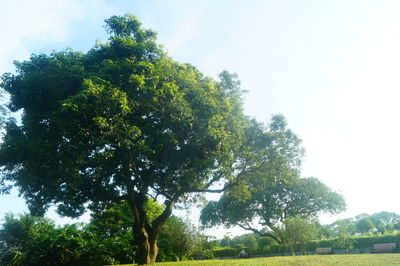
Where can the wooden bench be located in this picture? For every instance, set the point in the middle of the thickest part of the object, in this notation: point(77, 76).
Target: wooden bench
point(323, 251)
point(385, 247)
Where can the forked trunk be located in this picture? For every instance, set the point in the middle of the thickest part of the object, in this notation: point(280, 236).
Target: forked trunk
point(146, 234)
point(147, 246)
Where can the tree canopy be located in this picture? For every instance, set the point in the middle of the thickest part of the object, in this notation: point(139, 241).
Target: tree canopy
point(121, 122)
point(274, 190)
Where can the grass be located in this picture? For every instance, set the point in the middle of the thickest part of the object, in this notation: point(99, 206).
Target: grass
point(313, 260)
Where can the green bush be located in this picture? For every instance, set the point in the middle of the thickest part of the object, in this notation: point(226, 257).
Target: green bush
point(369, 241)
point(28, 240)
point(336, 243)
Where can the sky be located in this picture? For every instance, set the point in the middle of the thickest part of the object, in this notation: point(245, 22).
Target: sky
point(330, 67)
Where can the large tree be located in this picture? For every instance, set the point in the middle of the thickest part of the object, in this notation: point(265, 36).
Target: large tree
point(273, 190)
point(121, 122)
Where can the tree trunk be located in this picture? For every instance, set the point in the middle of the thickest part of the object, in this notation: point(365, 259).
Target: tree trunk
point(153, 250)
point(146, 234)
point(146, 241)
point(143, 246)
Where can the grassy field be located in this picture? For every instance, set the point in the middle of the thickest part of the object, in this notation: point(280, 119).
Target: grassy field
point(359, 259)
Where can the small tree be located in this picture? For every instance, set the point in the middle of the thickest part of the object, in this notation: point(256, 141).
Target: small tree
point(176, 240)
point(297, 232)
point(345, 242)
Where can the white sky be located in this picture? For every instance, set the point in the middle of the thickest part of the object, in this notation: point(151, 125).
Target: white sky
point(331, 67)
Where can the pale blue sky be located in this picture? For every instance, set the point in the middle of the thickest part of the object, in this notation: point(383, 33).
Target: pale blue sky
point(331, 67)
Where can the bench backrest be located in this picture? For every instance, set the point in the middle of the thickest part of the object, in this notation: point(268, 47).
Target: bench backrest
point(324, 250)
point(385, 246)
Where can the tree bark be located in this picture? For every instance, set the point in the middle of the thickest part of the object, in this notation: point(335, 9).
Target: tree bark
point(153, 247)
point(143, 245)
point(146, 234)
point(146, 241)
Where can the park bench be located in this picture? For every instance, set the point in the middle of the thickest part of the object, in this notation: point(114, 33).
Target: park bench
point(323, 251)
point(385, 247)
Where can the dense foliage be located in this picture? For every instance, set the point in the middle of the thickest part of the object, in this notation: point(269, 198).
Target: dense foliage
point(29, 240)
point(121, 122)
point(34, 241)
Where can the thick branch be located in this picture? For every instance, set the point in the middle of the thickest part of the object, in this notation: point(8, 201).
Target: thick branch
point(214, 179)
point(169, 205)
point(160, 220)
point(133, 204)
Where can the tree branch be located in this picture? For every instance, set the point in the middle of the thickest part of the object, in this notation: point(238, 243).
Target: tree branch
point(214, 179)
point(169, 205)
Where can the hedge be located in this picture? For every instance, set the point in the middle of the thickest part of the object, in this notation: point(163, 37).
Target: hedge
point(358, 242)
point(226, 252)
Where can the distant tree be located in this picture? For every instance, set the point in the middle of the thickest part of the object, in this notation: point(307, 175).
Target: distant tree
point(225, 241)
point(272, 190)
point(322, 231)
point(365, 226)
point(120, 122)
point(384, 221)
point(364, 223)
point(177, 240)
point(248, 241)
point(264, 241)
point(342, 227)
point(203, 247)
point(297, 232)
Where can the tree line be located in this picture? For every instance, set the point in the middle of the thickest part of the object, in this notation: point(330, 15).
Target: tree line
point(361, 231)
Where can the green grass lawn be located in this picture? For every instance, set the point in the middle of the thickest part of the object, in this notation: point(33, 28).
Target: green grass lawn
point(359, 259)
